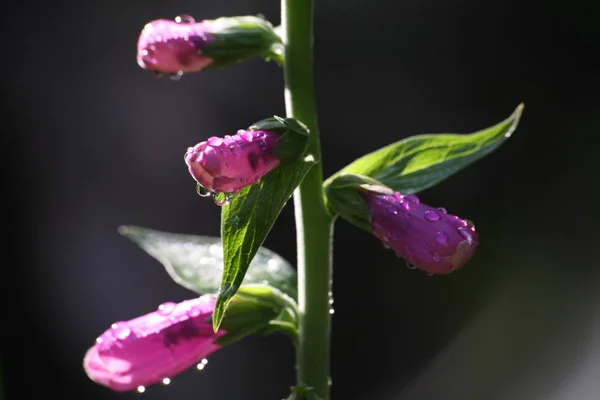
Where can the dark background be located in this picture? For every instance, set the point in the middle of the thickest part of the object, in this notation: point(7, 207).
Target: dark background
point(93, 142)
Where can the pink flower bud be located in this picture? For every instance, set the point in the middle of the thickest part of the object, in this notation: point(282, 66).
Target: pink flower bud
point(231, 163)
point(172, 47)
point(153, 347)
point(426, 237)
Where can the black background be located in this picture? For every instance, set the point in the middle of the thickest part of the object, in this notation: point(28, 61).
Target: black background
point(93, 142)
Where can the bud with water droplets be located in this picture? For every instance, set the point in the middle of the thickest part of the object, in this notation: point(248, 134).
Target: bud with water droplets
point(183, 45)
point(426, 237)
point(228, 164)
point(155, 346)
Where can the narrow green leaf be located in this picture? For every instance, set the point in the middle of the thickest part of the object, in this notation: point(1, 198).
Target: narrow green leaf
point(246, 221)
point(419, 162)
point(196, 262)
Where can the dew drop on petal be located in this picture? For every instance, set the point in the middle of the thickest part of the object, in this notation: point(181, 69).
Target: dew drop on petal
point(184, 19)
point(194, 311)
point(121, 330)
point(436, 257)
point(443, 210)
point(235, 149)
point(262, 145)
point(410, 266)
point(412, 198)
point(166, 381)
point(247, 135)
point(331, 311)
point(441, 238)
point(166, 308)
point(430, 274)
point(392, 210)
point(214, 141)
point(432, 216)
point(141, 389)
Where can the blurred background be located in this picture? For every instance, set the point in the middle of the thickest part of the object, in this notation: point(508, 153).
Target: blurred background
point(94, 142)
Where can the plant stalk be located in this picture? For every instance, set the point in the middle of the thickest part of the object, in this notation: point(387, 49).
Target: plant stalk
point(313, 224)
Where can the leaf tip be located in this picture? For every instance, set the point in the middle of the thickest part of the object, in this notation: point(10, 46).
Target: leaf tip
point(514, 120)
point(124, 230)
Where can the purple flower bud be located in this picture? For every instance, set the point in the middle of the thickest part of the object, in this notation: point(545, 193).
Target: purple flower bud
point(231, 163)
point(172, 47)
point(153, 347)
point(426, 237)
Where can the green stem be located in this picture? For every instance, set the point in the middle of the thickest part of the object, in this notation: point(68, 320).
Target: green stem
point(313, 224)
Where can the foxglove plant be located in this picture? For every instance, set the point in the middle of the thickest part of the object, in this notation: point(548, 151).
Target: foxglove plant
point(247, 289)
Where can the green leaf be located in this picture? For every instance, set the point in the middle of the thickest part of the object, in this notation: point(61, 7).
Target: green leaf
point(196, 262)
point(246, 221)
point(419, 162)
point(257, 309)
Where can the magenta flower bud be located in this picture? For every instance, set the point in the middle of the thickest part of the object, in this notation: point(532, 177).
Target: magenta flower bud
point(231, 163)
point(173, 47)
point(153, 347)
point(426, 237)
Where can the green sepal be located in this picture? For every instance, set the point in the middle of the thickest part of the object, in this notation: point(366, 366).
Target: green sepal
point(342, 196)
point(238, 39)
point(258, 309)
point(294, 137)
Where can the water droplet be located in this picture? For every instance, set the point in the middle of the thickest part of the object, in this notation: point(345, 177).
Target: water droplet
point(194, 311)
point(392, 210)
point(214, 141)
point(443, 210)
point(166, 308)
point(331, 311)
point(430, 274)
point(441, 238)
point(436, 257)
point(331, 301)
point(235, 149)
point(223, 198)
point(262, 145)
point(204, 361)
point(385, 245)
point(121, 330)
point(410, 266)
point(404, 204)
point(200, 366)
point(247, 135)
point(176, 76)
point(141, 389)
point(329, 381)
point(202, 191)
point(412, 198)
point(184, 19)
point(166, 381)
point(432, 216)
point(465, 233)
point(470, 223)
